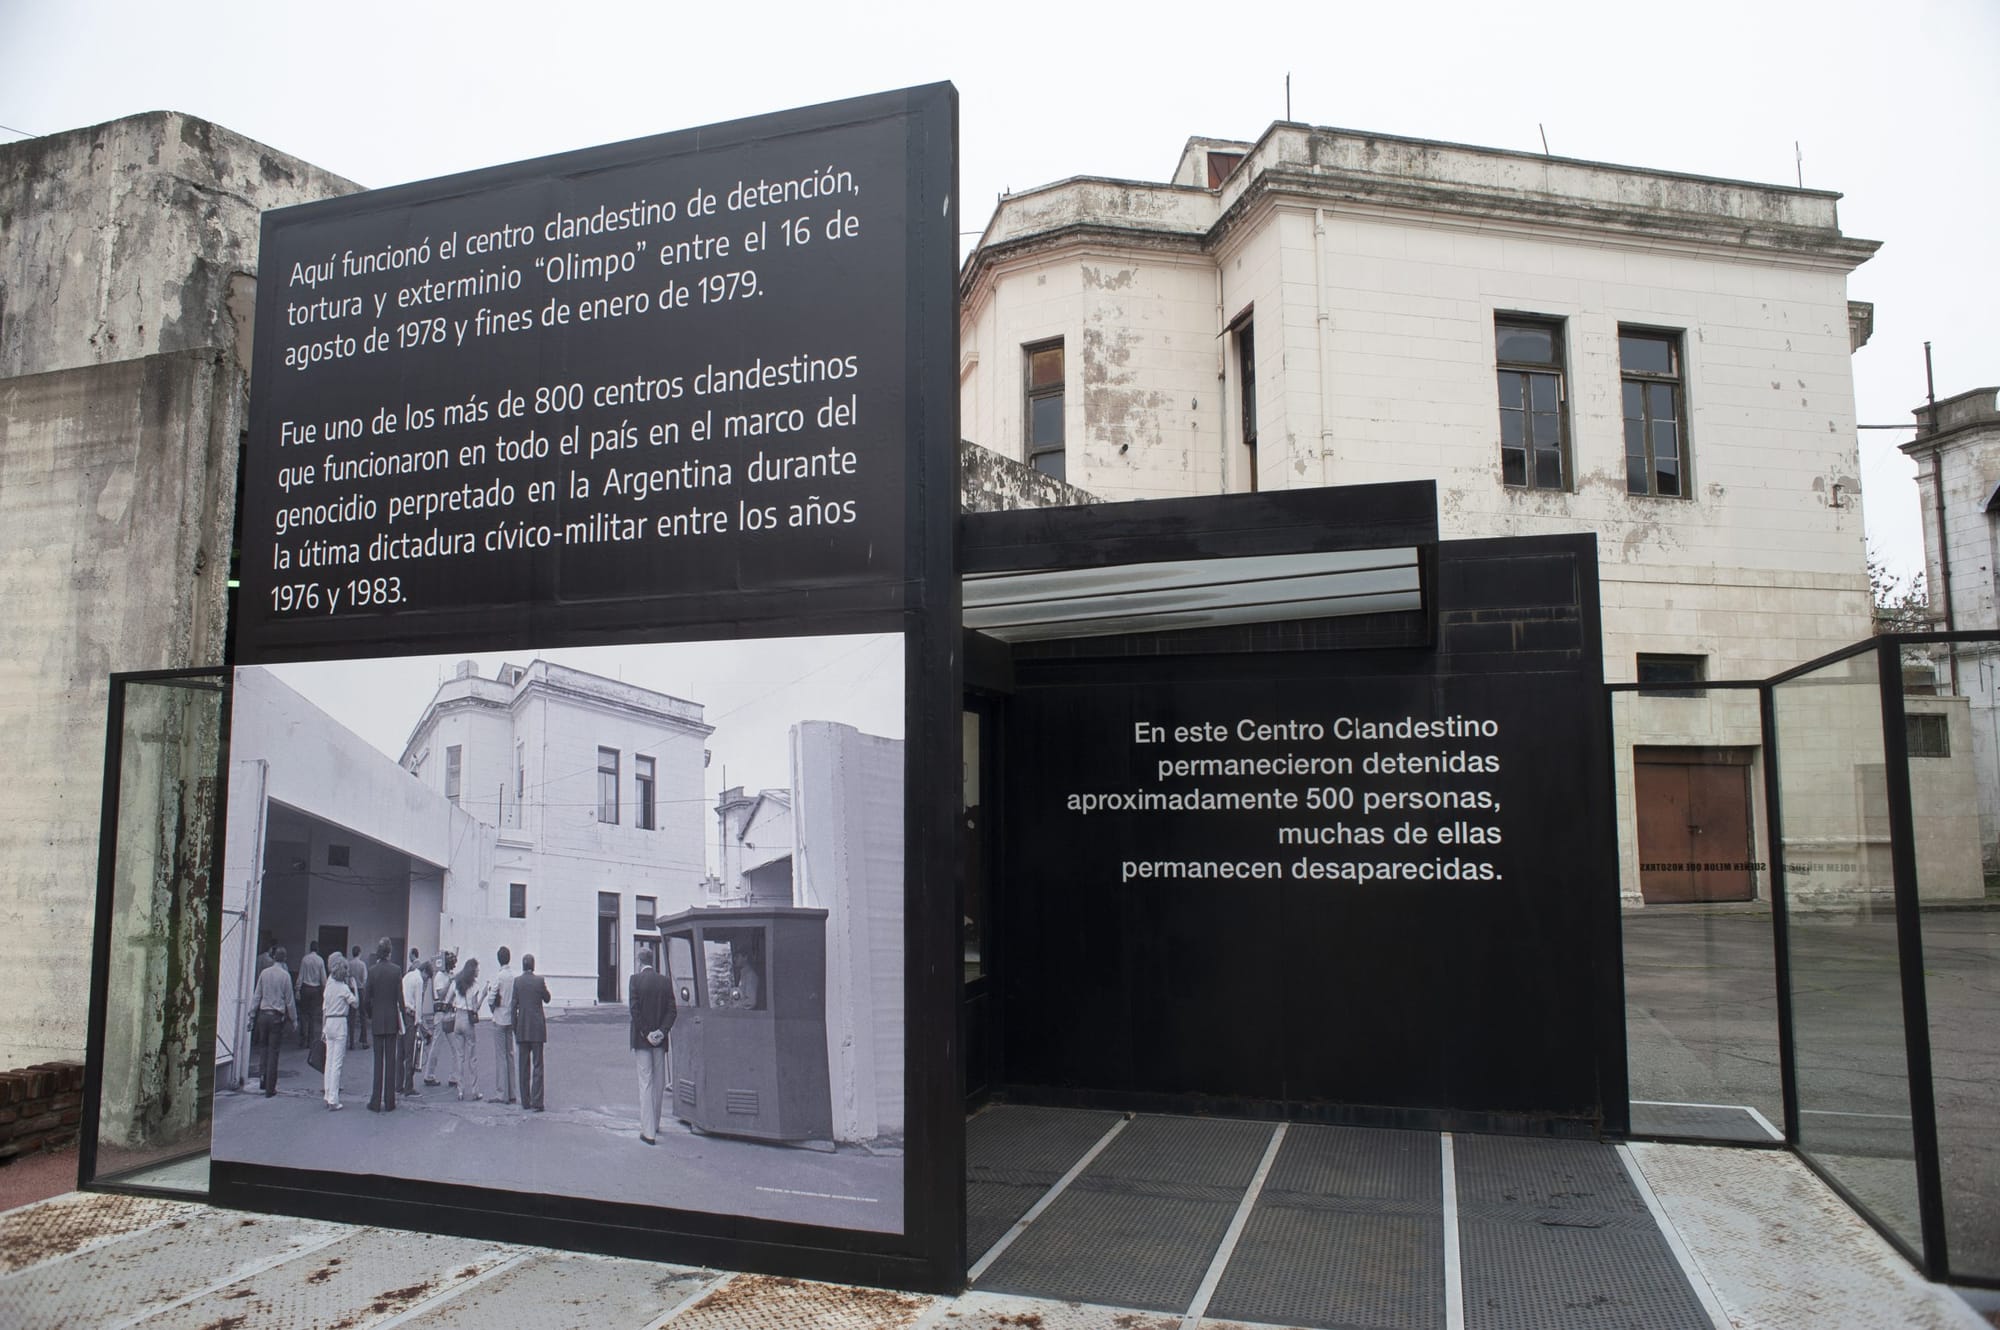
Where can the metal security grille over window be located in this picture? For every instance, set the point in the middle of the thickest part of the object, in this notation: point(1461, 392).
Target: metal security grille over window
point(1655, 426)
point(1045, 408)
point(607, 785)
point(1534, 429)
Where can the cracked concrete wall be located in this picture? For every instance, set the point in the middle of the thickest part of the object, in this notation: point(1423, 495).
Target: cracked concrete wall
point(132, 238)
point(117, 486)
point(128, 254)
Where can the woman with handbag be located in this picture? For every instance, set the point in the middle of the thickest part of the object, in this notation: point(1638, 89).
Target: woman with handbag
point(338, 1005)
point(465, 991)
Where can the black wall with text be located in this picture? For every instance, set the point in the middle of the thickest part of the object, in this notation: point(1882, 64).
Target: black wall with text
point(1394, 903)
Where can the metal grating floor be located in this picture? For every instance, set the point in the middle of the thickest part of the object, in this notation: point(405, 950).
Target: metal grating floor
point(1553, 1236)
point(1014, 1154)
point(1139, 1226)
point(1348, 1231)
point(1345, 1230)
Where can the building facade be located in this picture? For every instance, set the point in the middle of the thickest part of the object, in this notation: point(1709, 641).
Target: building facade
point(1660, 359)
point(1957, 452)
point(592, 789)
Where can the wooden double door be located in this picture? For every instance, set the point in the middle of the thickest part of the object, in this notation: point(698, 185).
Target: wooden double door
point(1694, 824)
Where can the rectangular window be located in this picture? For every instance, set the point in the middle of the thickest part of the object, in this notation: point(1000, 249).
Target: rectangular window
point(1672, 676)
point(517, 900)
point(642, 794)
point(454, 771)
point(1044, 408)
point(336, 855)
point(644, 909)
point(1534, 403)
point(520, 771)
point(1649, 364)
point(1246, 378)
point(607, 785)
point(1929, 734)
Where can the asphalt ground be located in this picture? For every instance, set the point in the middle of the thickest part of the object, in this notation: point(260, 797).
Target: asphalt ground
point(585, 1144)
point(1701, 1006)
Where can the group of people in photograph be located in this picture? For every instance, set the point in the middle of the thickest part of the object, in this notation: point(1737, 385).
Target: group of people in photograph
point(421, 1019)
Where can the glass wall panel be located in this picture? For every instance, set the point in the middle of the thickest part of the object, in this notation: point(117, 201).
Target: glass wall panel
point(1951, 742)
point(152, 1124)
point(1701, 991)
point(1847, 1000)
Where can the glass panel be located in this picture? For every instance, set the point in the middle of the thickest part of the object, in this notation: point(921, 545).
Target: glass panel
point(1548, 469)
point(1667, 478)
point(1045, 367)
point(1634, 406)
point(1635, 475)
point(1701, 989)
point(1847, 997)
point(1514, 466)
point(680, 967)
point(1045, 427)
point(1510, 391)
point(1525, 344)
point(1513, 428)
point(1542, 392)
point(1960, 902)
point(1666, 440)
point(160, 1035)
point(1050, 464)
point(735, 962)
point(1646, 353)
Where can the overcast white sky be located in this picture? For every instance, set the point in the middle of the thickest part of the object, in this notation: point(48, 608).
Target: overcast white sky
point(1893, 104)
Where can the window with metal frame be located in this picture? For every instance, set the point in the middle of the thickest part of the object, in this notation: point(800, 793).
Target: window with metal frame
point(517, 900)
point(1534, 402)
point(607, 785)
point(1246, 379)
point(642, 793)
point(1649, 364)
point(1928, 733)
point(1043, 408)
point(454, 771)
point(1672, 676)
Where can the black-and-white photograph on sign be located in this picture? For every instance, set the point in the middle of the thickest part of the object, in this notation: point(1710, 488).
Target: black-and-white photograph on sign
point(602, 923)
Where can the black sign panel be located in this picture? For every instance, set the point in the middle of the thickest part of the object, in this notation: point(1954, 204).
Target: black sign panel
point(610, 386)
point(1363, 885)
point(576, 490)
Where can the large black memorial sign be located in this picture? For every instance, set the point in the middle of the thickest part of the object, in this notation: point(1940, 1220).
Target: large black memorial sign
point(661, 382)
point(1371, 886)
point(661, 439)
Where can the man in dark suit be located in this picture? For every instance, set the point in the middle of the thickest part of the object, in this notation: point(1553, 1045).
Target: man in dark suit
point(384, 1006)
point(531, 1031)
point(651, 997)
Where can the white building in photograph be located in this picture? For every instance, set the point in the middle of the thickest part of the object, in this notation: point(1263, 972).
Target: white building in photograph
point(1658, 358)
point(593, 789)
point(833, 840)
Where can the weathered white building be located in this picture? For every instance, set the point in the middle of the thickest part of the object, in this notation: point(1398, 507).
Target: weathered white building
point(593, 790)
point(833, 840)
point(1957, 452)
point(1658, 358)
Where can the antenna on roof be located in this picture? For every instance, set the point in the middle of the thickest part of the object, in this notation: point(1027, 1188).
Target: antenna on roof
point(1799, 162)
point(1545, 139)
point(1288, 95)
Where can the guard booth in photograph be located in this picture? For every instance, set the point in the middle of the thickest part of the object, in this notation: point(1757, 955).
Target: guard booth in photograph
point(749, 1043)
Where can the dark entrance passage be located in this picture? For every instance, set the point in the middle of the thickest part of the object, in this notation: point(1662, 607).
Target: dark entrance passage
point(607, 946)
point(1694, 824)
point(1315, 1226)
